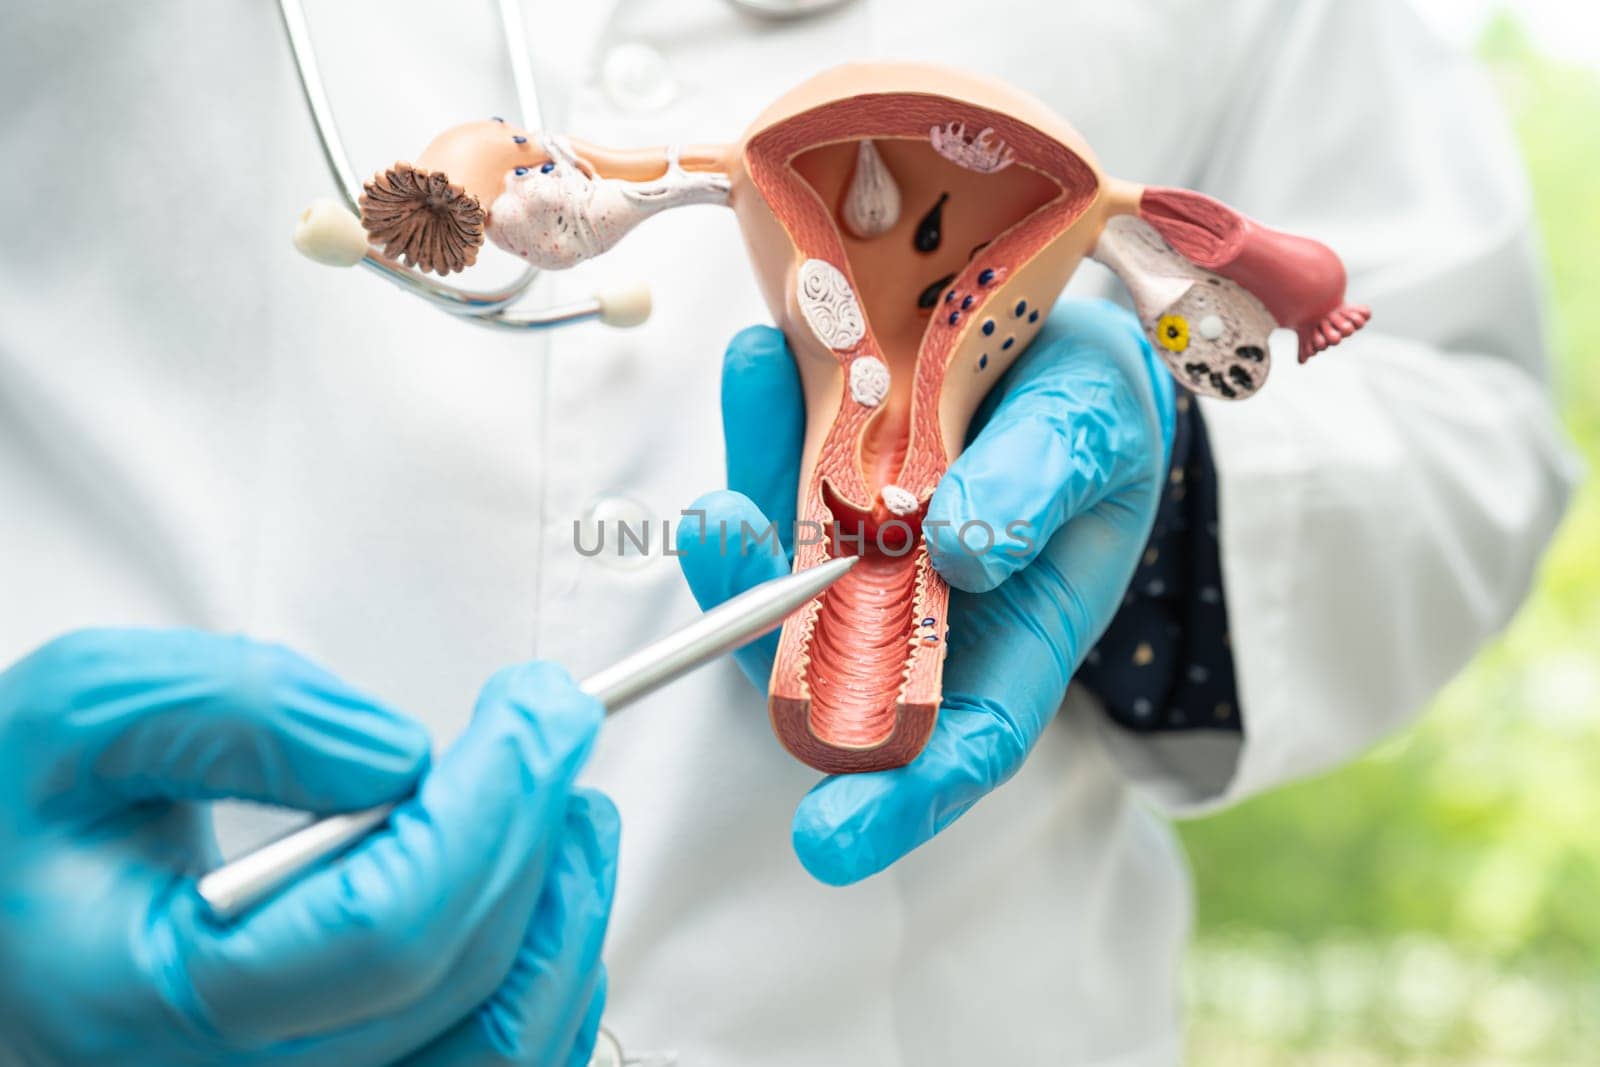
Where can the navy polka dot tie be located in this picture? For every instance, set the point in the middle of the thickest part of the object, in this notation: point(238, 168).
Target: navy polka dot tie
point(1165, 662)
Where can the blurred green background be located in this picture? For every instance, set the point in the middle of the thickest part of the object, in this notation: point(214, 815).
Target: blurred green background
point(1438, 902)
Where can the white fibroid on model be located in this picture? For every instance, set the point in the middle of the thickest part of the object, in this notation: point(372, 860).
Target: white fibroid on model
point(559, 214)
point(872, 203)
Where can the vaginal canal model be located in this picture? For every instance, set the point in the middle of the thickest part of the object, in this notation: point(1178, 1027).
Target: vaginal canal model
point(910, 227)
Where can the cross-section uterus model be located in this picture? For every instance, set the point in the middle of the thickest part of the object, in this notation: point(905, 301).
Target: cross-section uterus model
point(910, 227)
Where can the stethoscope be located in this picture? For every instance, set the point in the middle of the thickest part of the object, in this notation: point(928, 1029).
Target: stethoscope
point(626, 305)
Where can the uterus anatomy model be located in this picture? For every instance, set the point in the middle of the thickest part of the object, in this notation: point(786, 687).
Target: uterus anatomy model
point(910, 227)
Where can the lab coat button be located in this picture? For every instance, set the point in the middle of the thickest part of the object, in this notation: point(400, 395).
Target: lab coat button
point(619, 532)
point(638, 78)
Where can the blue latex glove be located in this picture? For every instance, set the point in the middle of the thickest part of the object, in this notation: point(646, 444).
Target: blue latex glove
point(467, 932)
point(1074, 441)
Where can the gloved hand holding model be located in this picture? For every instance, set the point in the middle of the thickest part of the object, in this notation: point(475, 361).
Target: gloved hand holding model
point(1073, 446)
point(467, 932)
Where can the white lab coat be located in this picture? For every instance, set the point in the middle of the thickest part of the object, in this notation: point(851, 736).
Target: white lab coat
point(197, 427)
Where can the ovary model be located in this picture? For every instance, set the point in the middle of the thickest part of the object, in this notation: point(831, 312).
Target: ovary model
point(910, 227)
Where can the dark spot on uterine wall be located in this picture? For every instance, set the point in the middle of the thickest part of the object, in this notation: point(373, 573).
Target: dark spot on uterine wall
point(930, 296)
point(1241, 377)
point(930, 231)
point(1221, 386)
point(1251, 352)
point(1195, 370)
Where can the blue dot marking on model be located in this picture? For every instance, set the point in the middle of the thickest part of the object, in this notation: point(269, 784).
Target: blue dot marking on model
point(521, 172)
point(949, 298)
point(1033, 316)
point(496, 118)
point(983, 361)
point(1021, 308)
point(986, 276)
point(966, 302)
point(988, 327)
point(955, 317)
point(547, 168)
point(517, 138)
point(930, 621)
point(1007, 343)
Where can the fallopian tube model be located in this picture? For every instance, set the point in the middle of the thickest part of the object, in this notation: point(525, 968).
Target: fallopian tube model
point(910, 226)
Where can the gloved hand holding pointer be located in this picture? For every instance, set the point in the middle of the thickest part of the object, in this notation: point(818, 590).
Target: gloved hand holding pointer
point(468, 932)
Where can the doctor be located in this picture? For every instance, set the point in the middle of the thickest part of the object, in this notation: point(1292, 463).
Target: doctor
point(201, 433)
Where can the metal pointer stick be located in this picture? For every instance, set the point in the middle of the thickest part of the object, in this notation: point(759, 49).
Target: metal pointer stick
point(235, 887)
